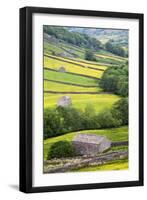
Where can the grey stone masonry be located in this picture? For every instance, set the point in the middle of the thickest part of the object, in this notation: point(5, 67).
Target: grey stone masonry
point(62, 69)
point(90, 144)
point(64, 101)
point(67, 164)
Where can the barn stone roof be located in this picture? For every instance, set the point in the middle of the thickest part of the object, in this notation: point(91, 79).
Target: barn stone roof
point(90, 144)
point(89, 138)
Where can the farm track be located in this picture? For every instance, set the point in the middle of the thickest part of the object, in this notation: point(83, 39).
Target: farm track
point(68, 83)
point(70, 62)
point(73, 73)
point(70, 92)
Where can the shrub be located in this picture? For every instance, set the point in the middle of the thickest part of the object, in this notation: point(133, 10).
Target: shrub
point(89, 55)
point(71, 117)
point(115, 79)
point(106, 120)
point(90, 123)
point(120, 110)
point(75, 38)
point(109, 82)
point(123, 88)
point(61, 149)
point(89, 120)
point(52, 123)
point(68, 119)
point(116, 49)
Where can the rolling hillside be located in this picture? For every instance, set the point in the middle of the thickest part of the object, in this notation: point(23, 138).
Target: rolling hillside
point(68, 73)
point(118, 36)
point(80, 77)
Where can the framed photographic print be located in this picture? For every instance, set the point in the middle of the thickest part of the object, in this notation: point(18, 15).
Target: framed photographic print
point(81, 99)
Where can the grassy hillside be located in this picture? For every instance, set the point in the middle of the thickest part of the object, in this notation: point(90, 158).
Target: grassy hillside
point(69, 78)
point(98, 101)
point(49, 85)
point(103, 35)
point(114, 134)
point(72, 68)
point(80, 76)
point(66, 72)
point(79, 62)
point(64, 49)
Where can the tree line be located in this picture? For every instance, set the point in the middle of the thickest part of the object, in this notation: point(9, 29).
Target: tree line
point(115, 79)
point(116, 49)
point(61, 120)
point(75, 38)
point(83, 40)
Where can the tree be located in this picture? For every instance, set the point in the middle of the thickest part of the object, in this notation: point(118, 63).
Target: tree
point(109, 82)
point(71, 118)
point(109, 46)
point(122, 88)
point(115, 79)
point(116, 49)
point(106, 119)
point(52, 123)
point(75, 38)
point(61, 149)
point(89, 120)
point(89, 55)
point(120, 110)
point(119, 51)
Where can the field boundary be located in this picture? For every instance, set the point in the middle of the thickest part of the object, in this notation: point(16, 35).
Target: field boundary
point(85, 162)
point(70, 92)
point(46, 68)
point(68, 83)
point(70, 62)
point(119, 143)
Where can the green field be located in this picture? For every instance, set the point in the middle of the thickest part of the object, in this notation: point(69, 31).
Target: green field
point(49, 48)
point(114, 134)
point(77, 67)
point(98, 101)
point(80, 101)
point(56, 64)
point(113, 165)
point(76, 50)
point(102, 55)
point(108, 59)
point(49, 85)
point(79, 79)
point(69, 78)
point(111, 57)
point(80, 62)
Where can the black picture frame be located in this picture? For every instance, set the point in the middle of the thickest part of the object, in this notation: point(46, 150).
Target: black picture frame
point(26, 98)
